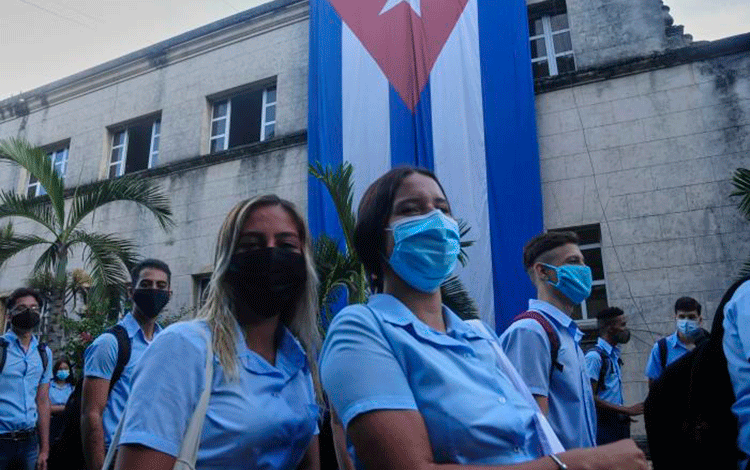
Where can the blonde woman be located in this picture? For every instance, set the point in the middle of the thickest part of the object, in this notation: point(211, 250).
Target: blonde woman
point(261, 317)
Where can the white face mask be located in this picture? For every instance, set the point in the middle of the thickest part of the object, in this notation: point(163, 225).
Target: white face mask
point(689, 328)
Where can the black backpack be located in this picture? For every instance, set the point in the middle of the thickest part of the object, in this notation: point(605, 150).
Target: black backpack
point(67, 451)
point(689, 421)
point(600, 383)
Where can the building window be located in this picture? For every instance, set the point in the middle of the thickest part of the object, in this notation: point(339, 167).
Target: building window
point(59, 160)
point(201, 285)
point(243, 119)
point(135, 147)
point(591, 246)
point(551, 48)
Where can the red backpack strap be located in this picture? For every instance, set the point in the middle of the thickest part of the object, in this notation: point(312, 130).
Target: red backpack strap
point(554, 339)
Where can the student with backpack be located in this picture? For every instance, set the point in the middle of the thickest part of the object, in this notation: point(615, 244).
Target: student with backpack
point(544, 343)
point(604, 366)
point(689, 415)
point(736, 345)
point(25, 373)
point(688, 333)
point(104, 395)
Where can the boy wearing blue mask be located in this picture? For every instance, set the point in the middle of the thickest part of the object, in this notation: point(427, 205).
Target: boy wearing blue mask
point(688, 333)
point(544, 342)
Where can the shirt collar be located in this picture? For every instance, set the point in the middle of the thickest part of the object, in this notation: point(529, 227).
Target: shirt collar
point(290, 355)
point(612, 351)
point(557, 316)
point(132, 327)
point(674, 342)
point(393, 311)
point(12, 337)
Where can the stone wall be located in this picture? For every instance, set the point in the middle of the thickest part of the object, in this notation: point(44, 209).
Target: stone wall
point(649, 156)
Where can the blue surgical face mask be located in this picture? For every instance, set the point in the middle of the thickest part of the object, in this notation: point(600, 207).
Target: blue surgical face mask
point(689, 328)
point(62, 374)
point(573, 280)
point(425, 249)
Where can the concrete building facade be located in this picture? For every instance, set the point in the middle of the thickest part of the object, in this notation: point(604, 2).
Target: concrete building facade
point(639, 133)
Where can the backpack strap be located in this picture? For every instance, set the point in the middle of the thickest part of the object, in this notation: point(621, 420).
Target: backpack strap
point(42, 348)
point(600, 385)
point(554, 339)
point(3, 353)
point(123, 352)
point(663, 353)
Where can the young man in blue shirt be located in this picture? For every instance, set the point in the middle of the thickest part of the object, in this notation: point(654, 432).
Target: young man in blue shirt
point(24, 387)
point(736, 343)
point(101, 408)
point(603, 365)
point(688, 321)
point(555, 374)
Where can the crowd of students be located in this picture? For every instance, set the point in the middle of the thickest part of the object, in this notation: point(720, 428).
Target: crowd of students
point(409, 385)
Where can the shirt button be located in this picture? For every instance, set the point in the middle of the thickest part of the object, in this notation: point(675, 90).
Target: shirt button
point(501, 400)
point(275, 394)
point(517, 450)
point(467, 355)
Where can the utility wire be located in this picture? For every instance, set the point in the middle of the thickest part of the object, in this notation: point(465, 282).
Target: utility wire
point(55, 13)
point(605, 219)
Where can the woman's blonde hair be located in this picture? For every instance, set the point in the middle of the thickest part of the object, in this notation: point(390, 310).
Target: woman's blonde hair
point(218, 311)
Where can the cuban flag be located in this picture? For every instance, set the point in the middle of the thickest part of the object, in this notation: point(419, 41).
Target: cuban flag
point(445, 85)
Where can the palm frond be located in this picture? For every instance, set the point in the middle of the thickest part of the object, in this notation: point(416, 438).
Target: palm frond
point(38, 210)
point(456, 298)
point(141, 191)
point(335, 270)
point(47, 261)
point(11, 246)
point(338, 182)
point(37, 163)
point(463, 229)
point(741, 182)
point(745, 270)
point(107, 257)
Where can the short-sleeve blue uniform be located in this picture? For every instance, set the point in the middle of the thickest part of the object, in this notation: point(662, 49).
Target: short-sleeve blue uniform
point(611, 390)
point(263, 419)
point(572, 412)
point(58, 394)
point(675, 350)
point(19, 380)
point(737, 349)
point(380, 356)
point(100, 360)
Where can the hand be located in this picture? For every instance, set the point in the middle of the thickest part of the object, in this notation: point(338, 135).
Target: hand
point(636, 409)
point(621, 455)
point(41, 461)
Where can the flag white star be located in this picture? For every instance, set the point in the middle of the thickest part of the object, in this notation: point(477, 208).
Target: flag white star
point(413, 3)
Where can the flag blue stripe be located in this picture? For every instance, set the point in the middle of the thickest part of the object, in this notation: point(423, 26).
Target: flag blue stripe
point(411, 133)
point(325, 140)
point(512, 157)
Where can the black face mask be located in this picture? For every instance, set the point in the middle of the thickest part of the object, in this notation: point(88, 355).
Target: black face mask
point(25, 319)
point(269, 281)
point(622, 337)
point(150, 301)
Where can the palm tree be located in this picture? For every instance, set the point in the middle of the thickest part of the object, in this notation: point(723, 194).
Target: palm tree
point(106, 256)
point(741, 183)
point(341, 272)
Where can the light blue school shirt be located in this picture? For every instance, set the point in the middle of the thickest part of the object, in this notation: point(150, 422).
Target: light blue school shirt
point(265, 419)
point(611, 390)
point(675, 350)
point(100, 360)
point(58, 394)
point(379, 356)
point(572, 412)
point(737, 349)
point(19, 380)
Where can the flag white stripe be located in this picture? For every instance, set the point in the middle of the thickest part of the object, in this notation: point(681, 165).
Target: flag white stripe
point(458, 136)
point(366, 114)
